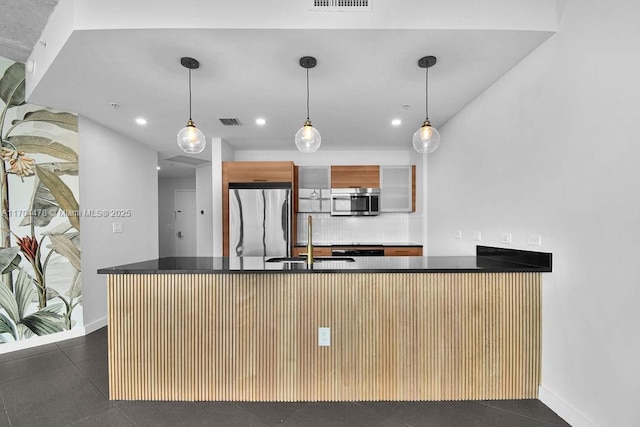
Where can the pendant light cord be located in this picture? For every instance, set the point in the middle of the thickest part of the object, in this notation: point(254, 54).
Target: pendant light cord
point(426, 93)
point(307, 94)
point(190, 95)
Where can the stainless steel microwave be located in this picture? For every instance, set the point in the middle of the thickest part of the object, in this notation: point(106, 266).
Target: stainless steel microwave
point(355, 201)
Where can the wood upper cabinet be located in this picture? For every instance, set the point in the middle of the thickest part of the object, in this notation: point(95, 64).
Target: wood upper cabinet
point(355, 176)
point(258, 171)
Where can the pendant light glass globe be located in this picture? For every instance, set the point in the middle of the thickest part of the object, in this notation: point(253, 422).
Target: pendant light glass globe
point(191, 139)
point(426, 139)
point(308, 138)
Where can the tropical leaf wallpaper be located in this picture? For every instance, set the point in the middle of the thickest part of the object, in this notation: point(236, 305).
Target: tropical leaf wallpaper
point(40, 286)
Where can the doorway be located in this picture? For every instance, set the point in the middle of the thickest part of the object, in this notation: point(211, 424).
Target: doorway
point(185, 223)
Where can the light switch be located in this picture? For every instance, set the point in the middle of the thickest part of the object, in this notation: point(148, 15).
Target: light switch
point(534, 240)
point(457, 234)
point(117, 227)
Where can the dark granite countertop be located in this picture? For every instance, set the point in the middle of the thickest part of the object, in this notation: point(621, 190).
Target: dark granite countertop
point(487, 260)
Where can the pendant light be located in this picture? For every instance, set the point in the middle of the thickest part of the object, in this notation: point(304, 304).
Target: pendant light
point(190, 139)
point(427, 138)
point(308, 138)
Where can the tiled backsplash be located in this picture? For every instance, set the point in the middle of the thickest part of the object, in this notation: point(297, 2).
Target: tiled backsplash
point(386, 228)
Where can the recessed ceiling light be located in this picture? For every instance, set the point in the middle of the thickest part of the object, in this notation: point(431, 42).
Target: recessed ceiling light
point(396, 122)
point(261, 121)
point(158, 167)
point(141, 121)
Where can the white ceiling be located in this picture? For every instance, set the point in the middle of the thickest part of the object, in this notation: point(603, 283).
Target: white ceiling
point(21, 23)
point(362, 80)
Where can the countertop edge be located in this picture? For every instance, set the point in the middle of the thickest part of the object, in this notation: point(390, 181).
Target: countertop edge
point(487, 260)
point(527, 269)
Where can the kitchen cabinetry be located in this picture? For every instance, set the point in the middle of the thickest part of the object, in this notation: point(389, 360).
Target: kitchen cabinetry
point(258, 171)
point(403, 251)
point(397, 185)
point(367, 176)
point(387, 250)
point(317, 177)
point(317, 250)
point(314, 200)
point(314, 194)
point(254, 172)
point(398, 188)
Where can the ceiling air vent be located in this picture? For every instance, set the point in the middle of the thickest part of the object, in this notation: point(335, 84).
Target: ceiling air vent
point(230, 121)
point(341, 5)
point(186, 160)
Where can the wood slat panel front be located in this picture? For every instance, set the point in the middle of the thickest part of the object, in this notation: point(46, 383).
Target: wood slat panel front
point(253, 337)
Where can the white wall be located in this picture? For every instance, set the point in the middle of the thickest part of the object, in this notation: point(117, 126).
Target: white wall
point(552, 149)
point(166, 211)
point(115, 173)
point(204, 208)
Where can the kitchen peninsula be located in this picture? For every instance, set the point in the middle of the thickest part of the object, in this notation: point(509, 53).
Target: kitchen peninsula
point(401, 328)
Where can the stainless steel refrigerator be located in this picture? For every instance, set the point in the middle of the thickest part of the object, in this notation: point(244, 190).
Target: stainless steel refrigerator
point(259, 220)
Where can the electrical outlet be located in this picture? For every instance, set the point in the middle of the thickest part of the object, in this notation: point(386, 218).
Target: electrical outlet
point(477, 236)
point(505, 238)
point(457, 234)
point(324, 336)
point(117, 227)
point(534, 240)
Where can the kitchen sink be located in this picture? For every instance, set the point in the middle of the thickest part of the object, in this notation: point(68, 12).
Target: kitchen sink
point(303, 260)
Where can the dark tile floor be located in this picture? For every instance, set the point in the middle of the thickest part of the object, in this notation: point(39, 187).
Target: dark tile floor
point(66, 384)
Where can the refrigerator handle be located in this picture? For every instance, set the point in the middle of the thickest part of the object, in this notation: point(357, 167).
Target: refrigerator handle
point(286, 221)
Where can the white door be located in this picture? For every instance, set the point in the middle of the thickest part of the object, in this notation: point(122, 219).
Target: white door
point(185, 222)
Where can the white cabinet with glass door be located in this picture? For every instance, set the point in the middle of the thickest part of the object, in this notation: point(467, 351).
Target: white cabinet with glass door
point(397, 188)
point(314, 189)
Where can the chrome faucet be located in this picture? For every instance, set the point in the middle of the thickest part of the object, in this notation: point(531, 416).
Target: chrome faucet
point(309, 253)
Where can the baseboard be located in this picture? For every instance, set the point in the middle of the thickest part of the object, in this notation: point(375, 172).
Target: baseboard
point(53, 338)
point(95, 325)
point(564, 411)
point(41, 340)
